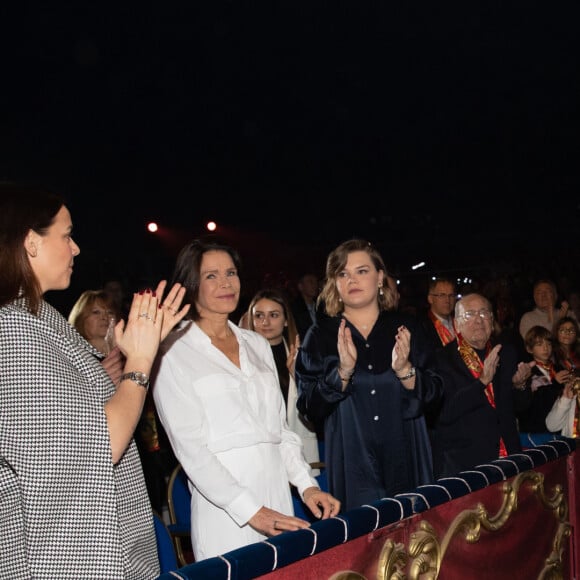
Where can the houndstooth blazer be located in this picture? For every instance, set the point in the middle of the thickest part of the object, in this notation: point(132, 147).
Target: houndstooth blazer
point(66, 511)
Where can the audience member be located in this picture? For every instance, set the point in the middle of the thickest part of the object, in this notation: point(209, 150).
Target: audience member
point(93, 315)
point(567, 345)
point(376, 438)
point(269, 315)
point(534, 397)
point(303, 306)
point(218, 396)
point(438, 321)
point(475, 422)
point(545, 312)
point(563, 416)
point(74, 504)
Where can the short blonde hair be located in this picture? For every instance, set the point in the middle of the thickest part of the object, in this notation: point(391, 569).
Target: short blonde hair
point(83, 306)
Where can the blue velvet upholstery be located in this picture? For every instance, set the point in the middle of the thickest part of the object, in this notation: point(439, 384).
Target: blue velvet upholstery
point(263, 557)
point(165, 548)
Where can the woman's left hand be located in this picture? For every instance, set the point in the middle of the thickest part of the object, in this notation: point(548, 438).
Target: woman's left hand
point(292, 354)
point(172, 315)
point(401, 350)
point(321, 504)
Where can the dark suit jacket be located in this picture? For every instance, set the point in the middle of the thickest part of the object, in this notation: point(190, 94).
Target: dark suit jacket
point(430, 330)
point(467, 429)
point(532, 407)
point(301, 316)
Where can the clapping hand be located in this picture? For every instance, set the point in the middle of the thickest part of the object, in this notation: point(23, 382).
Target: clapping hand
point(172, 315)
point(292, 354)
point(490, 365)
point(347, 353)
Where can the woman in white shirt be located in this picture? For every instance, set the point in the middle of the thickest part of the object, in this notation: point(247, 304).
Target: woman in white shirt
point(219, 399)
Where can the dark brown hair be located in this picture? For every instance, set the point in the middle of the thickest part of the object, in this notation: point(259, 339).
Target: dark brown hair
point(22, 208)
point(278, 297)
point(188, 265)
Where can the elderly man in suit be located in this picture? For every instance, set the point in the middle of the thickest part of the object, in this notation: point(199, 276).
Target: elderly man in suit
point(475, 421)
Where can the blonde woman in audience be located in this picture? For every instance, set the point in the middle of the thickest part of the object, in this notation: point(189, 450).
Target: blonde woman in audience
point(93, 315)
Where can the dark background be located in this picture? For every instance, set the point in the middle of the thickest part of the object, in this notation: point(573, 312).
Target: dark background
point(447, 134)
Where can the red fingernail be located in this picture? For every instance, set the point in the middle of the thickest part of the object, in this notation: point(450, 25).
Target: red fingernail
point(141, 292)
point(153, 293)
point(148, 290)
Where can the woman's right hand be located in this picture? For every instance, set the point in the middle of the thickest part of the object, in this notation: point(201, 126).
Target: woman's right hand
point(271, 522)
point(292, 354)
point(346, 349)
point(147, 323)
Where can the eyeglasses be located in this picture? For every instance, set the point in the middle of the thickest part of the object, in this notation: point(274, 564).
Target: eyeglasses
point(442, 295)
point(567, 330)
point(484, 313)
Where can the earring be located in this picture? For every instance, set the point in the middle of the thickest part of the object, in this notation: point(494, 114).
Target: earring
point(340, 299)
point(381, 290)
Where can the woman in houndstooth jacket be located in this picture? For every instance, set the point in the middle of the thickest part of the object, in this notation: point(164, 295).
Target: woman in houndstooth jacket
point(74, 502)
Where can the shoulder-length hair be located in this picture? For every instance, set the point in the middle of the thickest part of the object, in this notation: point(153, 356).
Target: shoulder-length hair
point(336, 262)
point(83, 306)
point(280, 299)
point(575, 346)
point(22, 208)
point(188, 266)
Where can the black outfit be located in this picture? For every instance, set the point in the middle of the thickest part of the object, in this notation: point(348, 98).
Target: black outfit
point(532, 407)
point(376, 440)
point(467, 429)
point(280, 358)
point(156, 453)
point(431, 333)
point(302, 315)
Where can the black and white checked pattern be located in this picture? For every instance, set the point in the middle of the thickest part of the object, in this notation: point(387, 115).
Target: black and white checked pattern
point(65, 510)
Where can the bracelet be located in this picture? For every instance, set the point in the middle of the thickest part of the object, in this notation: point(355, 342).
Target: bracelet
point(410, 374)
point(347, 378)
point(140, 378)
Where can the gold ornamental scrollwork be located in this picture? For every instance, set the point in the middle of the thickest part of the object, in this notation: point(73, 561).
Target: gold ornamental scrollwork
point(424, 555)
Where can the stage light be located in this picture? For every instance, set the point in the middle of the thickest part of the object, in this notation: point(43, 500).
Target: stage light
point(211, 226)
point(152, 227)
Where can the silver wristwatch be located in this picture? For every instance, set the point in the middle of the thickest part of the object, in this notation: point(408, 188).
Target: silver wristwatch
point(140, 378)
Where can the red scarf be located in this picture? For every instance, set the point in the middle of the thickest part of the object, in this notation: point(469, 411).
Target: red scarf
point(548, 367)
point(475, 365)
point(571, 362)
point(444, 334)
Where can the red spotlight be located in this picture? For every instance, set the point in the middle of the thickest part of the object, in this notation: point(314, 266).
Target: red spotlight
point(211, 226)
point(152, 227)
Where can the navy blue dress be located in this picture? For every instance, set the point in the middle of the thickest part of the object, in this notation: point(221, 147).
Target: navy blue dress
point(376, 439)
